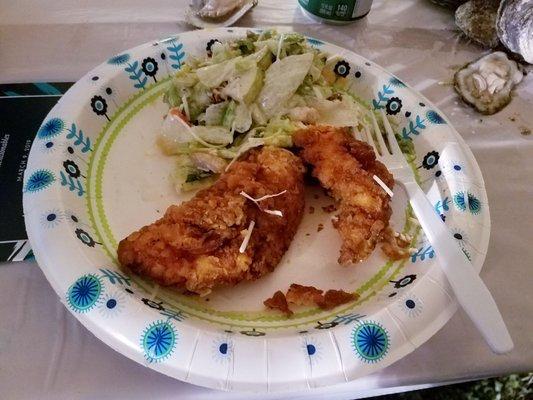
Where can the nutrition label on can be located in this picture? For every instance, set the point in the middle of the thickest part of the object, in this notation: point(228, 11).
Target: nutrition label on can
point(337, 10)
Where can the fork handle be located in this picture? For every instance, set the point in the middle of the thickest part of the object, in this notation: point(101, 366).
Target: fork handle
point(467, 286)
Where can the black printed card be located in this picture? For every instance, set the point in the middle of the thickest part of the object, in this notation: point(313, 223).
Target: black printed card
point(22, 109)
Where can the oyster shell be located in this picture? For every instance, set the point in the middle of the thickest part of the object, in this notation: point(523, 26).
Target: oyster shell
point(219, 8)
point(217, 13)
point(453, 4)
point(487, 82)
point(515, 27)
point(477, 19)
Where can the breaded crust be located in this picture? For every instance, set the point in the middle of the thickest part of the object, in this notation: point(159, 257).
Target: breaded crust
point(345, 166)
point(195, 246)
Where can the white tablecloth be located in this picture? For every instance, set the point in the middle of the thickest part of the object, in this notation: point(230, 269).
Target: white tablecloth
point(45, 353)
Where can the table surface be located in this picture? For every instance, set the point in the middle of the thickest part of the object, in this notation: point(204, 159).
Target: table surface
point(416, 40)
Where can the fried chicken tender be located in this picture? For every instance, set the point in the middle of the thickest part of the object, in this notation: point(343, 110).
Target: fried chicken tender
point(195, 246)
point(345, 167)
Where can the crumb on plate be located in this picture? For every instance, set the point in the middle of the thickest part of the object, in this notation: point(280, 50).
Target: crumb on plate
point(278, 302)
point(309, 296)
point(301, 295)
point(395, 245)
point(333, 298)
point(330, 208)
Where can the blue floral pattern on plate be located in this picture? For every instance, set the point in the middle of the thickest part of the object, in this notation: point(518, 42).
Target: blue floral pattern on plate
point(370, 341)
point(51, 128)
point(84, 294)
point(39, 180)
point(158, 341)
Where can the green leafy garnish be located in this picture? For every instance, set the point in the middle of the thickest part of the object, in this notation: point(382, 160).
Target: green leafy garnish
point(197, 175)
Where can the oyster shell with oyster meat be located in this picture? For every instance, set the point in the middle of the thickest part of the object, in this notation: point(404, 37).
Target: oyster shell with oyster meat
point(487, 83)
point(219, 8)
point(217, 13)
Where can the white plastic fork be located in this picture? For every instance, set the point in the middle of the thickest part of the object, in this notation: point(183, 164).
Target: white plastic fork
point(469, 289)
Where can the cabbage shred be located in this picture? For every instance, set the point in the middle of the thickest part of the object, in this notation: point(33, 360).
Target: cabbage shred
point(249, 92)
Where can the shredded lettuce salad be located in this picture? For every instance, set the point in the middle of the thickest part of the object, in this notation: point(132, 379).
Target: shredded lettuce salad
point(250, 92)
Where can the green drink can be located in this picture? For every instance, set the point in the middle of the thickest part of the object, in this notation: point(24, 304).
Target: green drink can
point(336, 11)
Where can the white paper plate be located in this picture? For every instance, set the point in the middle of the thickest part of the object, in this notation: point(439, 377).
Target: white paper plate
point(94, 175)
